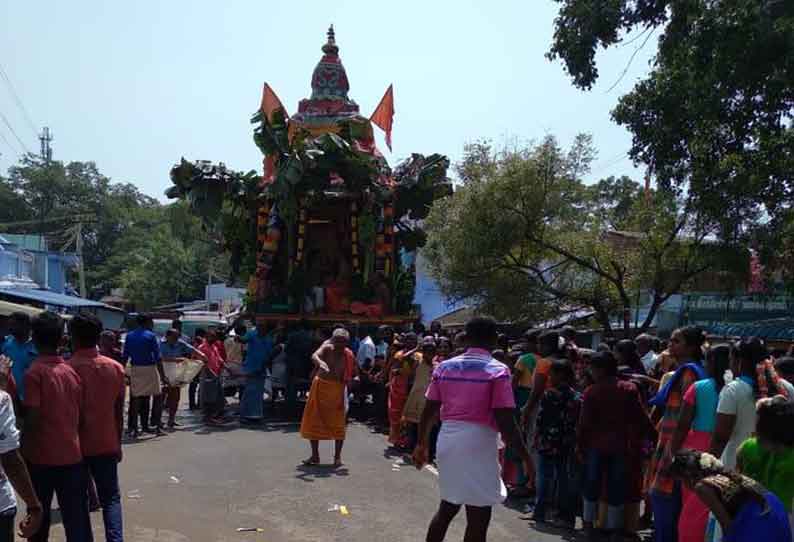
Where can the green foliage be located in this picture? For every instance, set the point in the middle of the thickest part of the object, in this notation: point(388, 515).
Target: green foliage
point(713, 117)
point(159, 254)
point(527, 239)
point(403, 285)
point(165, 257)
point(308, 167)
point(226, 202)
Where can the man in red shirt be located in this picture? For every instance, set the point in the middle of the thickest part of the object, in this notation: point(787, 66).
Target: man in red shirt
point(211, 381)
point(51, 438)
point(102, 379)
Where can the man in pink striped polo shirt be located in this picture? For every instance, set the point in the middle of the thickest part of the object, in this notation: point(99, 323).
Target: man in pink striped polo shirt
point(473, 395)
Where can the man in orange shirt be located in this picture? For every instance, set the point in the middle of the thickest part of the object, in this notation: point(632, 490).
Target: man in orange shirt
point(51, 436)
point(102, 421)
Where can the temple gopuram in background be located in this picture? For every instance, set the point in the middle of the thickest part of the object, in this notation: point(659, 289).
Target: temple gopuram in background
point(329, 230)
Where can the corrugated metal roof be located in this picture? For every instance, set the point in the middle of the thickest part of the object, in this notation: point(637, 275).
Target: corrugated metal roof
point(26, 241)
point(48, 298)
point(781, 329)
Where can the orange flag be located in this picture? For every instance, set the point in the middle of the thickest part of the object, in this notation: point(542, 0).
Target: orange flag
point(384, 114)
point(270, 103)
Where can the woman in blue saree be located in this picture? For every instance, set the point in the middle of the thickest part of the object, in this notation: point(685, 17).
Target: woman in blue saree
point(745, 510)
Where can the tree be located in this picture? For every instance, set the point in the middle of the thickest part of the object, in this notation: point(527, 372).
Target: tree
point(163, 257)
point(527, 239)
point(38, 190)
point(160, 254)
point(712, 119)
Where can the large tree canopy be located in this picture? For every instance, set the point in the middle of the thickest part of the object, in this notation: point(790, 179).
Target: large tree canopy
point(159, 253)
point(713, 116)
point(527, 239)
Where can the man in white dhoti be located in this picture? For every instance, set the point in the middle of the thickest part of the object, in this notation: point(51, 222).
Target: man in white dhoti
point(474, 397)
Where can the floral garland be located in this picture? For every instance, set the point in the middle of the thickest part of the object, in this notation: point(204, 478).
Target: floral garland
point(267, 243)
point(354, 237)
point(301, 239)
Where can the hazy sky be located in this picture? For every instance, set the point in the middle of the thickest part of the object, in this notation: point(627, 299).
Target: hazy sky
point(134, 86)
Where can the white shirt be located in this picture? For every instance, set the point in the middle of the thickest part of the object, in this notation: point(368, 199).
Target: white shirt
point(9, 441)
point(234, 350)
point(366, 351)
point(649, 360)
point(738, 399)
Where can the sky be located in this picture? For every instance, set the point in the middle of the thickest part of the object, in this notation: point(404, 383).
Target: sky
point(135, 86)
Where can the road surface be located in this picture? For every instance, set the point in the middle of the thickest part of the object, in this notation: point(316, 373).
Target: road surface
point(200, 485)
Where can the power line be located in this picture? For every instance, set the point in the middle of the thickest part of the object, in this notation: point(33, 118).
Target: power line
point(611, 162)
point(13, 132)
point(17, 99)
point(5, 139)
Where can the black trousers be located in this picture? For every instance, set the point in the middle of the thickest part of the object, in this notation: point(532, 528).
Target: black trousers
point(7, 525)
point(142, 412)
point(142, 415)
point(192, 392)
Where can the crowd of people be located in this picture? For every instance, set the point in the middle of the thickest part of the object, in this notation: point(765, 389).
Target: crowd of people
point(693, 439)
point(696, 440)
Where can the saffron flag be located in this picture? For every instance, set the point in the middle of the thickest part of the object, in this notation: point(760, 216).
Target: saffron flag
point(270, 103)
point(384, 114)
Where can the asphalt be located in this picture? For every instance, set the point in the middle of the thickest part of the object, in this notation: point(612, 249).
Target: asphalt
point(199, 484)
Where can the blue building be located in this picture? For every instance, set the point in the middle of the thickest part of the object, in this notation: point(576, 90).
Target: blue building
point(427, 293)
point(25, 261)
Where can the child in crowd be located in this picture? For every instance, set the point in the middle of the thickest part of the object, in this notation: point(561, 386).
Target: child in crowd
point(555, 443)
point(401, 370)
point(416, 398)
point(523, 373)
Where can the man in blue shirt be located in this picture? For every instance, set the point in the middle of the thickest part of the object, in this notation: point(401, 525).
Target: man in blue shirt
point(259, 350)
point(142, 351)
point(19, 347)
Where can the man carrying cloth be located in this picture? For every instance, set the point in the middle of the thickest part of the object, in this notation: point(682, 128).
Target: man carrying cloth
point(142, 350)
point(324, 415)
point(473, 394)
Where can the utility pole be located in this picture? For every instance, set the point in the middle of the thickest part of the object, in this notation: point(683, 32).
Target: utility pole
point(78, 241)
point(46, 138)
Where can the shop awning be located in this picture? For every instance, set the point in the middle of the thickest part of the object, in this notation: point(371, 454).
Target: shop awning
point(44, 297)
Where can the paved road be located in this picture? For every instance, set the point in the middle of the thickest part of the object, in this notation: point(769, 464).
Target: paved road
point(198, 485)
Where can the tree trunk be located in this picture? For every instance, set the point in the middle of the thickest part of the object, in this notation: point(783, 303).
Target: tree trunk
point(603, 318)
point(655, 304)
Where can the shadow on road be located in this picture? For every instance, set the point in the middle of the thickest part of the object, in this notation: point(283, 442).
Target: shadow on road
point(309, 472)
point(564, 534)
